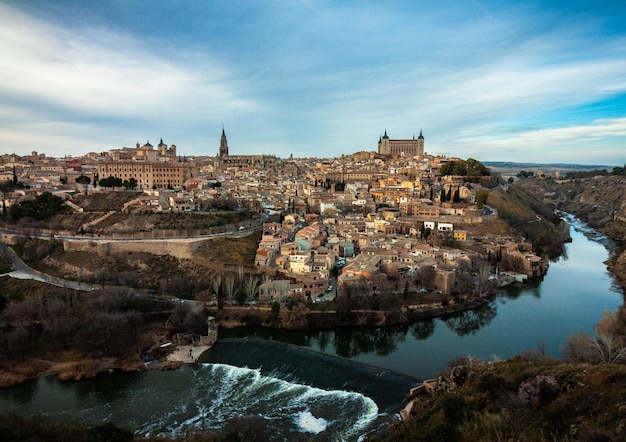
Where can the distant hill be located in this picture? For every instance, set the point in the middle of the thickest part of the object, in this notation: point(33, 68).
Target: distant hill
point(559, 166)
point(508, 168)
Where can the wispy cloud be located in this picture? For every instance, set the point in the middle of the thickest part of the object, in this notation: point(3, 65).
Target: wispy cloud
point(94, 73)
point(314, 77)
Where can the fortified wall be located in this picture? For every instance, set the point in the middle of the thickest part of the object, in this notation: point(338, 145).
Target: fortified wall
point(177, 249)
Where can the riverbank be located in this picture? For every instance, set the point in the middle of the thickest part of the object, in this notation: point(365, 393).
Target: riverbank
point(75, 366)
point(307, 319)
point(16, 373)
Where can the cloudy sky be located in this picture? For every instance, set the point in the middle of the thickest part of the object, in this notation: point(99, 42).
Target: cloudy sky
point(531, 81)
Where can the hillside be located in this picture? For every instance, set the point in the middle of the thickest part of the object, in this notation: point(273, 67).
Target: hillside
point(531, 218)
point(599, 201)
point(521, 399)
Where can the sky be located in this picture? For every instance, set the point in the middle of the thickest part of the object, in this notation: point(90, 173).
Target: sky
point(524, 81)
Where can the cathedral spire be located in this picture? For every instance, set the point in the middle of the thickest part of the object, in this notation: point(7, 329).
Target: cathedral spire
point(223, 144)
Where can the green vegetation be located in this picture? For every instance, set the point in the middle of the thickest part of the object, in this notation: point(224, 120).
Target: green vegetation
point(117, 182)
point(10, 186)
point(42, 208)
point(525, 174)
point(110, 182)
point(83, 179)
point(481, 197)
point(469, 168)
point(594, 173)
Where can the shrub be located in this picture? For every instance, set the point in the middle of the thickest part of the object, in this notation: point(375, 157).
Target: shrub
point(538, 391)
point(491, 384)
point(455, 408)
point(442, 432)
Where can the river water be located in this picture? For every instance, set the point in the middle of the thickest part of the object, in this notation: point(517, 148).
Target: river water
point(335, 384)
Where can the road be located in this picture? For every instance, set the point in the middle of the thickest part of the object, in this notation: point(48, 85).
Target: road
point(21, 271)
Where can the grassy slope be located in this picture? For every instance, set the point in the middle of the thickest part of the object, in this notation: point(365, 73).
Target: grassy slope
point(588, 403)
point(529, 217)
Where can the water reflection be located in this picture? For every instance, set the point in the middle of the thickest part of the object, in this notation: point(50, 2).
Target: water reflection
point(380, 341)
point(469, 322)
point(514, 291)
point(21, 394)
point(423, 329)
point(348, 342)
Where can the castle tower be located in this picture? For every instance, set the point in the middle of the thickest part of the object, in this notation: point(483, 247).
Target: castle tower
point(420, 144)
point(383, 145)
point(223, 145)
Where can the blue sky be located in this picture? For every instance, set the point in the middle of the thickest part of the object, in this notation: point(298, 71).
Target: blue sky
point(492, 80)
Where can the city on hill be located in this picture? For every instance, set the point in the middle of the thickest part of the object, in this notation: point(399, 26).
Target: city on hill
point(150, 243)
point(379, 222)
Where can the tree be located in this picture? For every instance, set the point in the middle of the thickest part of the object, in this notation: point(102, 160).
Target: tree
point(111, 181)
point(281, 287)
point(131, 183)
point(251, 288)
point(229, 288)
point(41, 208)
point(578, 348)
point(83, 179)
point(426, 277)
point(469, 167)
point(608, 348)
point(481, 197)
point(619, 170)
point(217, 289)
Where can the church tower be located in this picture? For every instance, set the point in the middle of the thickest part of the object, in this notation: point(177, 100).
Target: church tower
point(223, 145)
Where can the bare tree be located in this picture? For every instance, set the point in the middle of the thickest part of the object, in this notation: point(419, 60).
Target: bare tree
point(426, 277)
point(240, 275)
point(578, 348)
point(281, 287)
point(483, 268)
point(251, 288)
point(608, 348)
point(229, 287)
point(217, 289)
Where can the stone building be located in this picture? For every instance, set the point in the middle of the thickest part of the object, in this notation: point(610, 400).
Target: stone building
point(152, 168)
point(241, 161)
point(409, 148)
point(147, 173)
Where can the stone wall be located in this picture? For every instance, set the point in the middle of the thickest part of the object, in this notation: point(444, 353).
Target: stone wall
point(177, 249)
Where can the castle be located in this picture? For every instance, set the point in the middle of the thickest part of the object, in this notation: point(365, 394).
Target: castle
point(408, 148)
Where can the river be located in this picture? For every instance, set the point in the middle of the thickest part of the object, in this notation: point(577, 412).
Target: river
point(338, 384)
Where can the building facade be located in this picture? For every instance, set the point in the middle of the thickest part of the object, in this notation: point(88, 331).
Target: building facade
point(151, 168)
point(149, 175)
point(241, 161)
point(410, 148)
